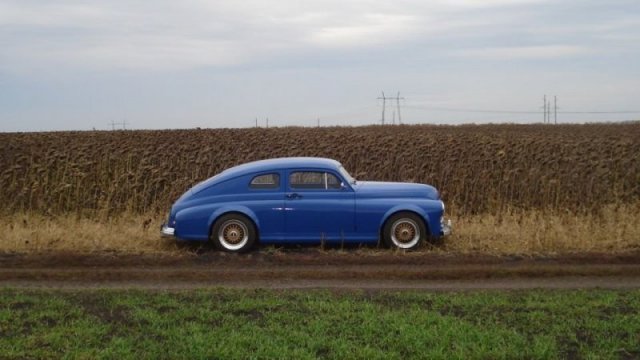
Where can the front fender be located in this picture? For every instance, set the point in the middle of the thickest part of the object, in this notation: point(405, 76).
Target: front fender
point(431, 227)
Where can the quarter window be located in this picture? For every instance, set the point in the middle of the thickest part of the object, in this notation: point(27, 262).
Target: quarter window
point(313, 180)
point(266, 181)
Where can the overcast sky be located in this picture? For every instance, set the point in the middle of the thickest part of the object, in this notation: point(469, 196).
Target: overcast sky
point(76, 65)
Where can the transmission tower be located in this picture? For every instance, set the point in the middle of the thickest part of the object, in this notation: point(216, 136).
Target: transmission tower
point(544, 107)
point(555, 110)
point(549, 111)
point(384, 99)
point(123, 124)
point(384, 104)
point(398, 106)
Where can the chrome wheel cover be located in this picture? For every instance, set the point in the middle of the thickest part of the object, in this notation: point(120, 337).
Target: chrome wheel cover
point(405, 233)
point(233, 234)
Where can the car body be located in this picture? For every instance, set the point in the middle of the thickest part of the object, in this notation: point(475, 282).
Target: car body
point(303, 200)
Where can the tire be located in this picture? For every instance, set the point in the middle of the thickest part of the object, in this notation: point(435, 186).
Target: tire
point(234, 233)
point(404, 230)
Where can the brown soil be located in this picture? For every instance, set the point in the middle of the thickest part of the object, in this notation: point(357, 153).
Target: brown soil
point(312, 268)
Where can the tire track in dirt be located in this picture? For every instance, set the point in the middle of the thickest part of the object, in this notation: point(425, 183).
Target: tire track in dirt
point(565, 282)
point(314, 269)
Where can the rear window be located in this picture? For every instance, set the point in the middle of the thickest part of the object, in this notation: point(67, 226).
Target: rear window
point(265, 181)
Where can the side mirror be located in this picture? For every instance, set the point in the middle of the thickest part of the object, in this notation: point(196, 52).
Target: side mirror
point(343, 186)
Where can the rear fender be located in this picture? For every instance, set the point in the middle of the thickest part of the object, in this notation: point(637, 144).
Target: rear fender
point(243, 210)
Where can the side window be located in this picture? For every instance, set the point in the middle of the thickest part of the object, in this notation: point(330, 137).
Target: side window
point(332, 181)
point(266, 181)
point(313, 180)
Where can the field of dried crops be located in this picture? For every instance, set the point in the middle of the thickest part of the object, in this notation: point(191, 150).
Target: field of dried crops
point(560, 188)
point(479, 169)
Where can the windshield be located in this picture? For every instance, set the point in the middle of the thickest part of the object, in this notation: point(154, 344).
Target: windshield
point(346, 175)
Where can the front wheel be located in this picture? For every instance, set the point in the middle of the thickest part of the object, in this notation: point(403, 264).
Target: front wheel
point(233, 233)
point(404, 231)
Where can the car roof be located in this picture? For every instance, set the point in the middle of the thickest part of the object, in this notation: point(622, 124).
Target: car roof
point(267, 165)
point(280, 163)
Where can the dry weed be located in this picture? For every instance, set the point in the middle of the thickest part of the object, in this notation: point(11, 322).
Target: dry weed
point(34, 233)
point(532, 232)
point(614, 229)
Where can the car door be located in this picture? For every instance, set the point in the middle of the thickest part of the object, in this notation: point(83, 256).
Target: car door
point(319, 206)
point(265, 199)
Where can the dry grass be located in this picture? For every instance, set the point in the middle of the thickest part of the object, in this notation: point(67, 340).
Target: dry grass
point(34, 233)
point(533, 232)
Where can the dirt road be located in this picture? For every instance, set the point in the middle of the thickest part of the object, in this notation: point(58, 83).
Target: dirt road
point(304, 269)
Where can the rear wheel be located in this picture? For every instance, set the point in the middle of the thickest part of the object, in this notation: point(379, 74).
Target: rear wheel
point(234, 233)
point(404, 230)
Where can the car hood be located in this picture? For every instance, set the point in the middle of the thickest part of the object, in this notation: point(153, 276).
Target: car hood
point(392, 189)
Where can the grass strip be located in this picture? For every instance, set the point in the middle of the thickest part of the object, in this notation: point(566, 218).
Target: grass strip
point(223, 323)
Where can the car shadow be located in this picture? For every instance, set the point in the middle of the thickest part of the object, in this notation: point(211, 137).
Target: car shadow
point(199, 248)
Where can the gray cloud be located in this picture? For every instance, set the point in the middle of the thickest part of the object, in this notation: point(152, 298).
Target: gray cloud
point(72, 60)
point(164, 35)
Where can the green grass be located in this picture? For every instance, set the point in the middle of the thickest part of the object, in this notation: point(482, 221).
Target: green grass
point(312, 324)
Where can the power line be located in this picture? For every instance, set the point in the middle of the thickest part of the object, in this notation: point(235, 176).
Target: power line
point(495, 111)
point(471, 110)
point(599, 112)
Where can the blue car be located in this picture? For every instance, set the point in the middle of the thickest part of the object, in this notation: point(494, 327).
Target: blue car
point(304, 201)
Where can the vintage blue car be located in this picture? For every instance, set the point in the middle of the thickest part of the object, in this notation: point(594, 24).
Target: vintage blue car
point(304, 200)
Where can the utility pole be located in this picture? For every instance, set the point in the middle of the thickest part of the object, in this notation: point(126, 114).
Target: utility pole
point(555, 110)
point(267, 123)
point(113, 125)
point(256, 121)
point(544, 106)
point(124, 124)
point(384, 104)
point(398, 105)
point(318, 122)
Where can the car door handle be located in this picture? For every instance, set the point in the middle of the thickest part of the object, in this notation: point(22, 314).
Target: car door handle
point(293, 196)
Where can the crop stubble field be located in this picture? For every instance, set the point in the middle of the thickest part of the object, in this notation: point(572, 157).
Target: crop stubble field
point(508, 188)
